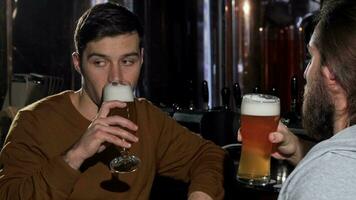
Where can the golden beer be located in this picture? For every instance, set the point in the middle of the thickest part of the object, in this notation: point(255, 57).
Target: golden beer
point(259, 117)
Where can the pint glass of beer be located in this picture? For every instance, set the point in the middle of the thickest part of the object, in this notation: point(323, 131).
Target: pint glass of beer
point(259, 117)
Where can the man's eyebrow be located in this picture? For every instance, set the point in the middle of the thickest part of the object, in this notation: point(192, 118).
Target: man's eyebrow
point(105, 56)
point(131, 54)
point(96, 54)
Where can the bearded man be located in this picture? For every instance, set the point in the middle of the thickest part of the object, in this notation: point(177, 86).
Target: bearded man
point(329, 112)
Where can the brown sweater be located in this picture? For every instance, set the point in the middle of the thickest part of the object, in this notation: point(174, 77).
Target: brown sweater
point(33, 167)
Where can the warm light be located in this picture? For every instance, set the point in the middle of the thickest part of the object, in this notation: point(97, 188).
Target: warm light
point(260, 29)
point(300, 29)
point(246, 7)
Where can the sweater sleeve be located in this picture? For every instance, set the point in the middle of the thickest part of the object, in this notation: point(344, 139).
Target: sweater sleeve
point(27, 171)
point(184, 155)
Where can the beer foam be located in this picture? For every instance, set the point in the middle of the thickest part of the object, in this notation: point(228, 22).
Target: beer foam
point(260, 105)
point(117, 91)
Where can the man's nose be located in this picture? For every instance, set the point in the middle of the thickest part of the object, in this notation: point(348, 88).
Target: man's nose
point(306, 72)
point(115, 74)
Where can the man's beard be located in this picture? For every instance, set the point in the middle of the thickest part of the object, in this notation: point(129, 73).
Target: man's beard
point(318, 111)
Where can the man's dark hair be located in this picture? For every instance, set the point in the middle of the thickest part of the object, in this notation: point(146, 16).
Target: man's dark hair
point(335, 38)
point(105, 20)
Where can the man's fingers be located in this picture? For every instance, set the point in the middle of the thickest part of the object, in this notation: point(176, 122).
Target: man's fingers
point(280, 139)
point(101, 148)
point(239, 137)
point(276, 137)
point(116, 141)
point(117, 132)
point(121, 121)
point(281, 136)
point(107, 105)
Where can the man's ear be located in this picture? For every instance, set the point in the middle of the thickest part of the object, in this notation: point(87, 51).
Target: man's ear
point(330, 79)
point(337, 93)
point(142, 55)
point(76, 62)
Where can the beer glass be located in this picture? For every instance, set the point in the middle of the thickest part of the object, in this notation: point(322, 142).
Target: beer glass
point(259, 117)
point(123, 92)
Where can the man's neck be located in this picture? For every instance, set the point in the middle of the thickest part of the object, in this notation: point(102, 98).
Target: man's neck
point(341, 115)
point(84, 104)
point(341, 122)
